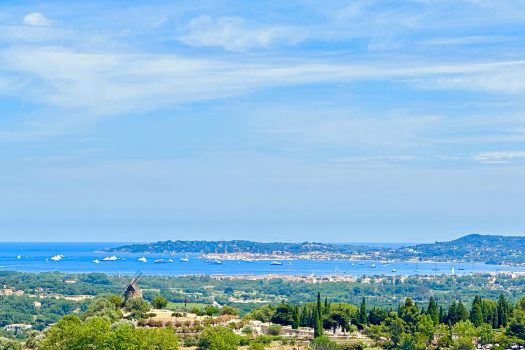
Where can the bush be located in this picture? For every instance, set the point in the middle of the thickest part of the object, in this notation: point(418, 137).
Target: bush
point(323, 343)
point(218, 338)
point(274, 329)
point(256, 346)
point(159, 302)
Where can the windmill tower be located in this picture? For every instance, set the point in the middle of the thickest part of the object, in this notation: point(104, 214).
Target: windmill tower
point(133, 289)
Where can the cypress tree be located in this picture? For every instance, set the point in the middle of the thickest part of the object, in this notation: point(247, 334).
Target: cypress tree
point(433, 310)
point(462, 312)
point(503, 311)
point(296, 318)
point(305, 321)
point(363, 316)
point(318, 325)
point(476, 313)
point(441, 315)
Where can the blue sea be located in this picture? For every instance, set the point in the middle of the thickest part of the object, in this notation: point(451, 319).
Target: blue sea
point(78, 257)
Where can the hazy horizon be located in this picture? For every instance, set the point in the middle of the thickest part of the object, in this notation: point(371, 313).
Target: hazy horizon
point(278, 121)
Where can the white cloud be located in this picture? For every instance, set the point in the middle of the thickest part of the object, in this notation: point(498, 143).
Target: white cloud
point(36, 19)
point(236, 34)
point(499, 157)
point(105, 83)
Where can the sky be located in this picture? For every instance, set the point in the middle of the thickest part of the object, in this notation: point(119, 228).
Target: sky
point(345, 121)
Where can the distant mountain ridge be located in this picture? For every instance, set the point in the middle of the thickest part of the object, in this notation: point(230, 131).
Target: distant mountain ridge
point(490, 249)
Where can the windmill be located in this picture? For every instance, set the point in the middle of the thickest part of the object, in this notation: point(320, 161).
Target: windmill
point(133, 290)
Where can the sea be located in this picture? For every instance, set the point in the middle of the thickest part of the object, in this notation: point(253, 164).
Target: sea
point(80, 257)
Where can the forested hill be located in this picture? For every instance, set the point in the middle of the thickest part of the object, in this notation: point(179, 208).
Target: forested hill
point(238, 246)
point(491, 249)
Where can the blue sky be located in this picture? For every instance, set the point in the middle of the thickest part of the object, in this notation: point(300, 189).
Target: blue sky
point(351, 121)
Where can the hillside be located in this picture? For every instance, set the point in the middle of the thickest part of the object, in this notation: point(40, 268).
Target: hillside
point(238, 246)
point(491, 249)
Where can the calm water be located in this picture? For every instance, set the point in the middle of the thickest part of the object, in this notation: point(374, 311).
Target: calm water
point(35, 257)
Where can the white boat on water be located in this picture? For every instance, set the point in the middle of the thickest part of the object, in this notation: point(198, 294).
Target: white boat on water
point(394, 270)
point(216, 262)
point(96, 261)
point(276, 263)
point(373, 265)
point(19, 257)
point(110, 258)
point(143, 259)
point(57, 257)
point(185, 259)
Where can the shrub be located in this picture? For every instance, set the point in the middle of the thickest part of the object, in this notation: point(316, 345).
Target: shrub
point(275, 329)
point(323, 343)
point(218, 338)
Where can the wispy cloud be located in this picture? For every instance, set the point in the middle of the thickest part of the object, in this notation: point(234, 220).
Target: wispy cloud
point(499, 157)
point(36, 19)
point(237, 34)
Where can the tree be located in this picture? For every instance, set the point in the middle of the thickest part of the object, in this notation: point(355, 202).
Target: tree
point(283, 314)
point(159, 302)
point(476, 313)
point(228, 310)
point(103, 307)
point(433, 310)
point(9, 344)
point(137, 307)
point(318, 326)
point(336, 319)
point(503, 309)
point(362, 317)
point(296, 317)
point(218, 338)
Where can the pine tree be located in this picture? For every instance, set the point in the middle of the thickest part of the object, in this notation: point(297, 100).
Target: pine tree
point(318, 318)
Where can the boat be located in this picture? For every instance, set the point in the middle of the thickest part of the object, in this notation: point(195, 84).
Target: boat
point(216, 262)
point(373, 265)
point(56, 257)
point(452, 270)
point(160, 261)
point(143, 259)
point(96, 261)
point(394, 270)
point(19, 257)
point(276, 263)
point(170, 260)
point(185, 259)
point(110, 258)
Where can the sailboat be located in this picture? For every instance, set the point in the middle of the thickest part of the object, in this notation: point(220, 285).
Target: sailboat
point(452, 270)
point(96, 261)
point(143, 259)
point(110, 258)
point(185, 259)
point(57, 257)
